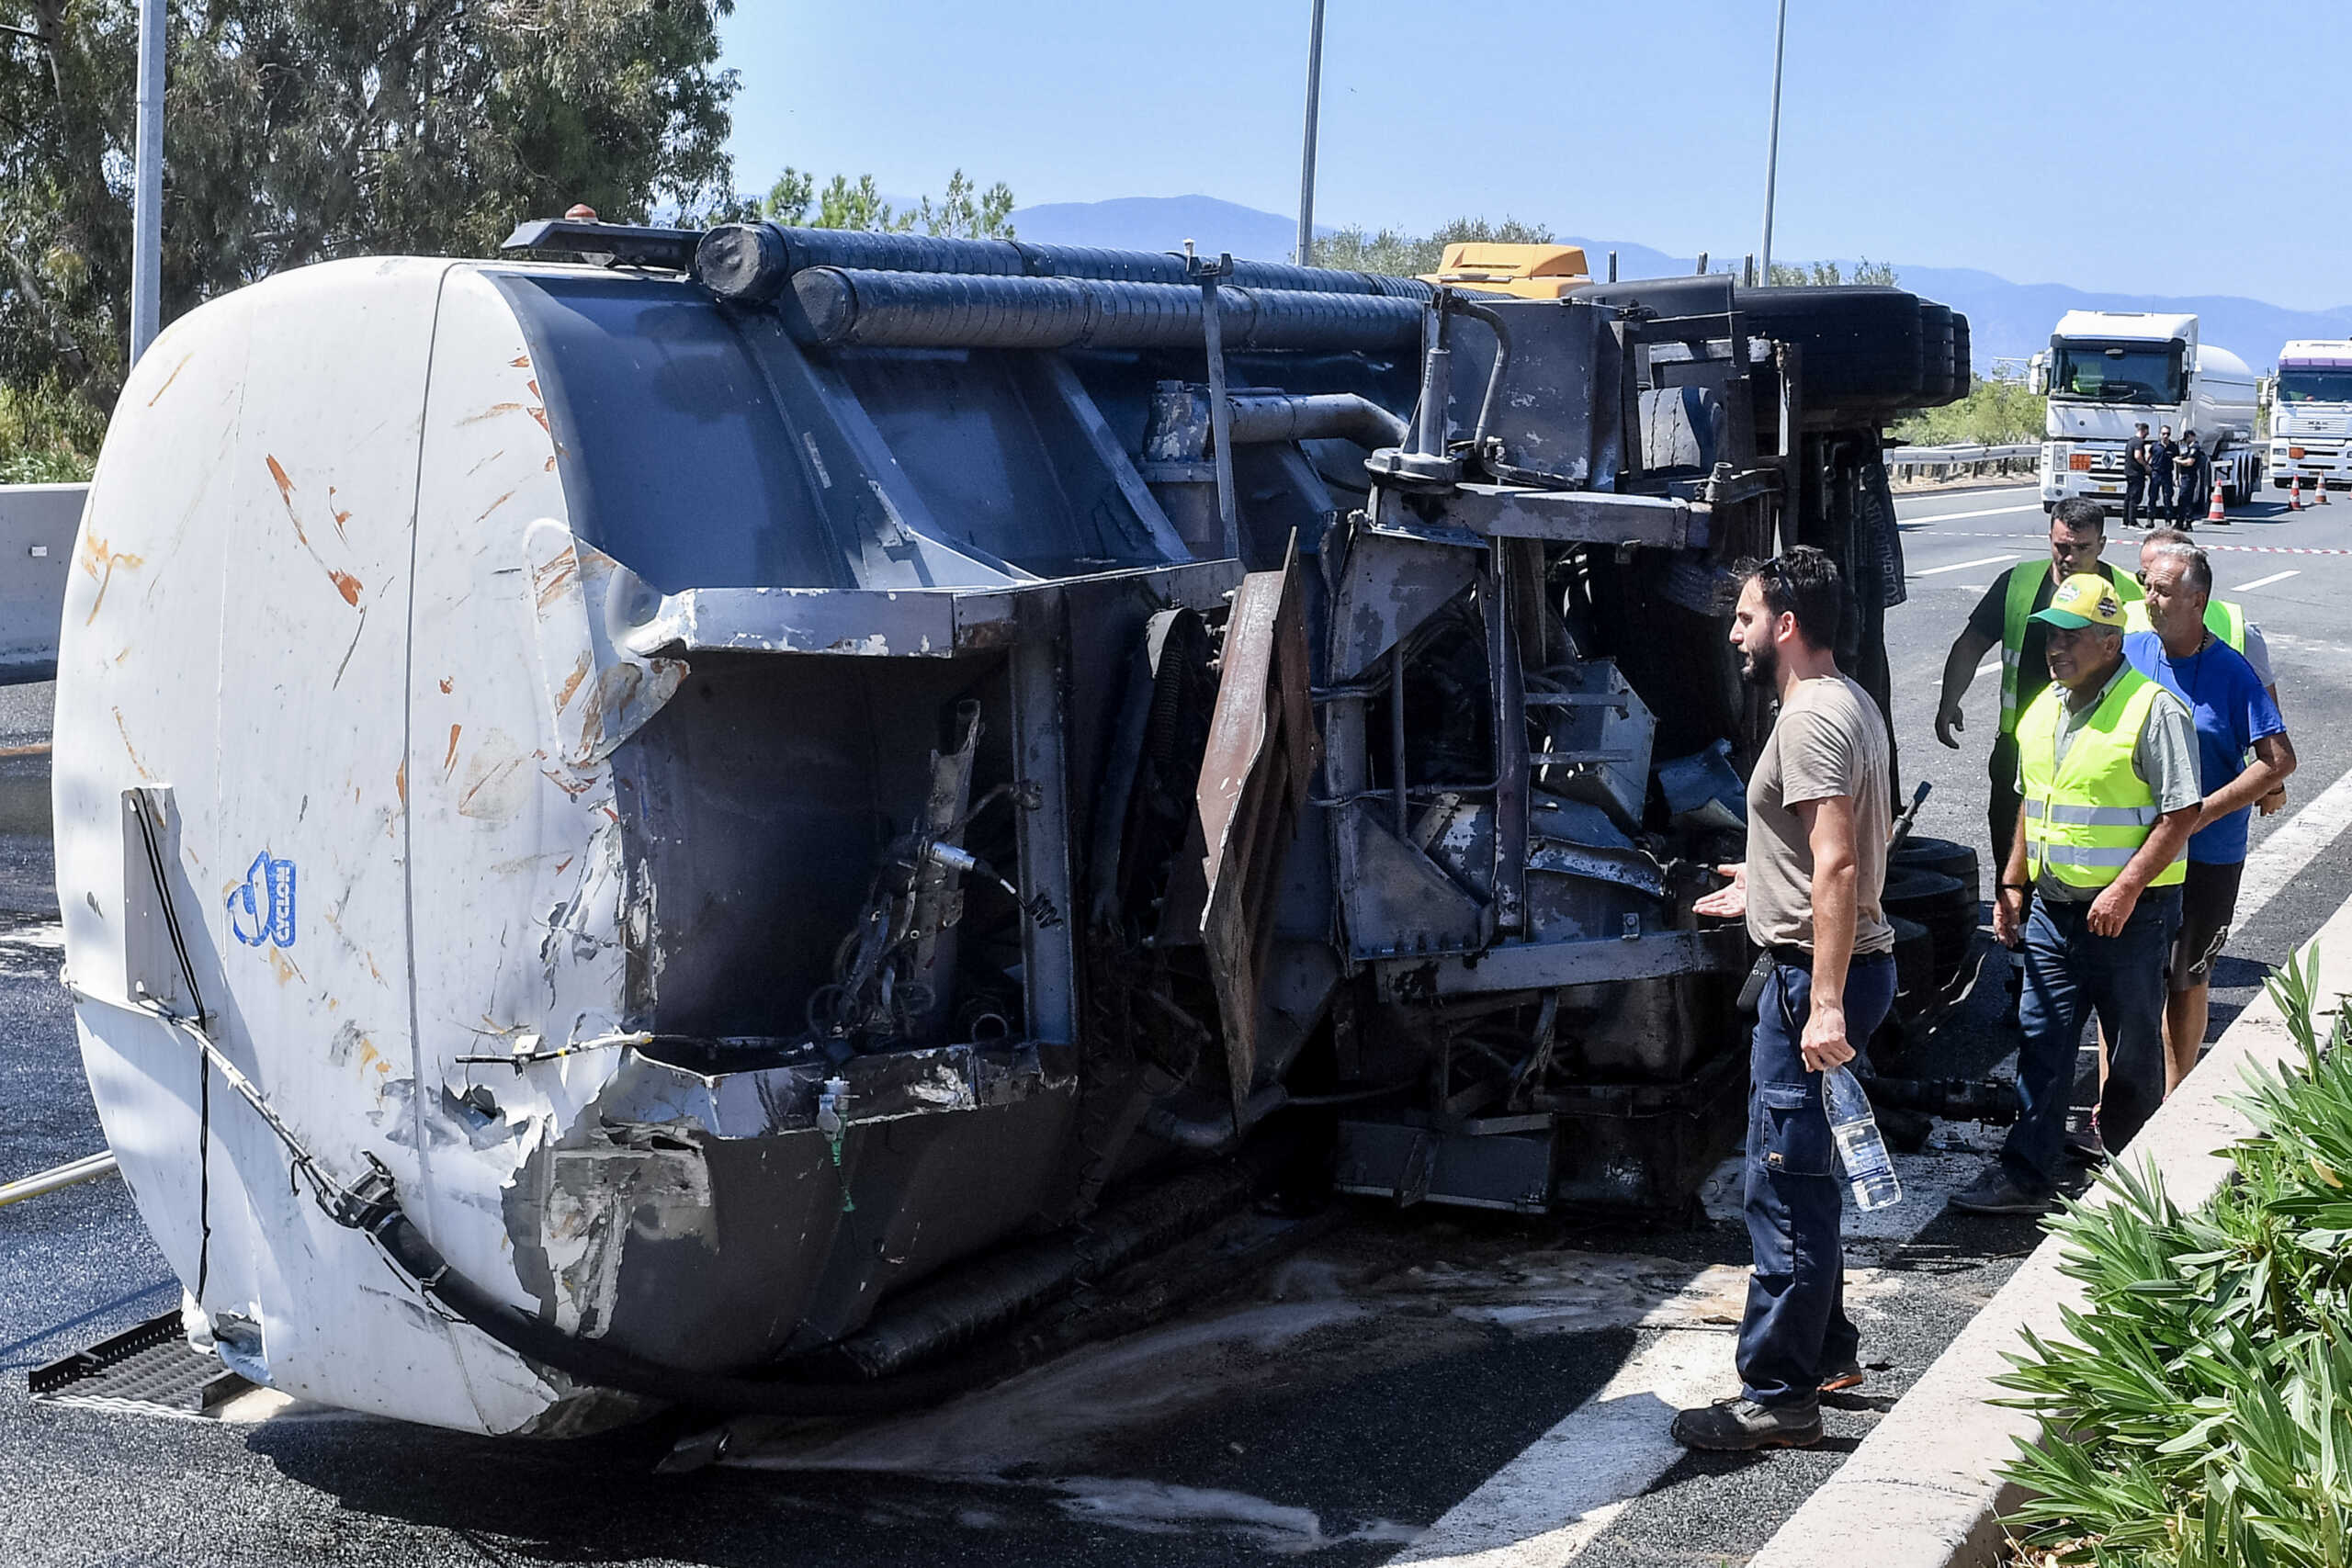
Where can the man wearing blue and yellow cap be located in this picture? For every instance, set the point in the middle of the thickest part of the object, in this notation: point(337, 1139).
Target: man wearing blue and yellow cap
point(2107, 775)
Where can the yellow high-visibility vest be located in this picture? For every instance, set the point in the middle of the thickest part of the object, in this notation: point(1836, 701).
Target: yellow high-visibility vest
point(2087, 816)
point(2025, 581)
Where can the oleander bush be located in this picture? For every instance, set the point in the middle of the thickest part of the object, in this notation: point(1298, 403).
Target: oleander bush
point(2199, 1413)
point(47, 435)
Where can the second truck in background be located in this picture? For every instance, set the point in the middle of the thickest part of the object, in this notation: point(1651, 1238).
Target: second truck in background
point(2106, 371)
point(2311, 414)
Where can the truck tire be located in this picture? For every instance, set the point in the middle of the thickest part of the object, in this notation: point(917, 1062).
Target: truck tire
point(1964, 364)
point(1936, 357)
point(1946, 857)
point(1860, 345)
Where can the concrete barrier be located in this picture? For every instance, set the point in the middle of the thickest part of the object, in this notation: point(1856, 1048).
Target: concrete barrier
point(1922, 1490)
point(37, 527)
point(38, 523)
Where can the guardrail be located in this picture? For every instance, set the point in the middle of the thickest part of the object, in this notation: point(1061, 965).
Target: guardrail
point(1946, 460)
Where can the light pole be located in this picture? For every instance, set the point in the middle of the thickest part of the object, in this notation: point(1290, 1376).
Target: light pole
point(1772, 153)
point(1307, 157)
point(147, 185)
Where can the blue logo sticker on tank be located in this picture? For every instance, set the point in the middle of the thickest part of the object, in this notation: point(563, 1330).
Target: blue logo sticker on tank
point(262, 911)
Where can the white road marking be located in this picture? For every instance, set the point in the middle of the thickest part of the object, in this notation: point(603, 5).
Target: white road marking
point(1970, 587)
point(2266, 582)
point(1964, 565)
point(1549, 1503)
point(1988, 666)
point(2293, 845)
point(1987, 512)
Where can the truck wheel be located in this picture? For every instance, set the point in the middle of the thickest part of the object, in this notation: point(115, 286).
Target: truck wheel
point(1860, 345)
point(1936, 357)
point(1964, 364)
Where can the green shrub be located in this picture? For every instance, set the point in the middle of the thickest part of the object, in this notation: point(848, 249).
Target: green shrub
point(1997, 412)
point(2202, 1414)
point(47, 435)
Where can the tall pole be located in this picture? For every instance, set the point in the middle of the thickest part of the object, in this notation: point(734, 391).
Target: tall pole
point(1307, 157)
point(1772, 154)
point(147, 185)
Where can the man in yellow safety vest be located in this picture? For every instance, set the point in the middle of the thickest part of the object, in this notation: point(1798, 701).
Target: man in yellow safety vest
point(2003, 619)
point(2108, 782)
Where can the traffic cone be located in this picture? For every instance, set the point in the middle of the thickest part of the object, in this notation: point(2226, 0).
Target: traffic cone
point(2295, 493)
point(2323, 489)
point(2215, 514)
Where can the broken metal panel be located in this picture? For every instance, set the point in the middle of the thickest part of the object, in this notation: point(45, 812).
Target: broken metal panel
point(1260, 755)
point(1387, 587)
point(1597, 739)
point(1409, 1164)
point(1039, 670)
point(902, 623)
point(1574, 517)
point(1538, 965)
point(1397, 901)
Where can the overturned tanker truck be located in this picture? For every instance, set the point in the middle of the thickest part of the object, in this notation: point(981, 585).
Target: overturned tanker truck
point(718, 817)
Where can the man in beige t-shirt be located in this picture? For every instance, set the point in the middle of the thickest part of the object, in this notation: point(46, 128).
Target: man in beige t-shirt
point(1818, 805)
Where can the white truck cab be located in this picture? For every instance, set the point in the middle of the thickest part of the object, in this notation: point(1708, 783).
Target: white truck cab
point(2311, 414)
point(2106, 371)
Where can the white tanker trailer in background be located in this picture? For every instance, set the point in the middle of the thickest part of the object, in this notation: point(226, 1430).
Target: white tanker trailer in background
point(2106, 371)
point(2310, 415)
point(665, 830)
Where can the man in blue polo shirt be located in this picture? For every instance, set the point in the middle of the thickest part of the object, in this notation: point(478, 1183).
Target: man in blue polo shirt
point(2235, 719)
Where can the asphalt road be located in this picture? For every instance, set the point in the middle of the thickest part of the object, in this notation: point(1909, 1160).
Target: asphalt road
point(1336, 1408)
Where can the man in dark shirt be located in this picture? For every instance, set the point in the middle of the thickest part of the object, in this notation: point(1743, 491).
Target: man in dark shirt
point(2190, 479)
point(2160, 457)
point(2135, 474)
point(2077, 535)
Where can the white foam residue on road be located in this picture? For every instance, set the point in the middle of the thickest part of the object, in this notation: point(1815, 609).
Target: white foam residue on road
point(1153, 1507)
point(32, 949)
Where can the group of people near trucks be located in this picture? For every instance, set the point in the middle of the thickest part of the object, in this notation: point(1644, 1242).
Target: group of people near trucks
point(2165, 480)
point(2139, 730)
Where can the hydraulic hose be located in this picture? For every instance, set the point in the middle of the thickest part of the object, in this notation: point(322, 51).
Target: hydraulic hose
point(913, 309)
point(754, 261)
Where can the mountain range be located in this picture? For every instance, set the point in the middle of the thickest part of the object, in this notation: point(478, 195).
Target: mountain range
point(2006, 320)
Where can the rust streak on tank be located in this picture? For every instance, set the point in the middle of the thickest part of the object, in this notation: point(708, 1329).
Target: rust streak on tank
point(100, 562)
point(496, 504)
point(571, 685)
point(346, 585)
point(285, 494)
point(449, 763)
point(170, 378)
point(399, 781)
point(444, 684)
point(125, 729)
point(491, 412)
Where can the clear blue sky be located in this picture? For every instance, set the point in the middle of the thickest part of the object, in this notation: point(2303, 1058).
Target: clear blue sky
point(2101, 143)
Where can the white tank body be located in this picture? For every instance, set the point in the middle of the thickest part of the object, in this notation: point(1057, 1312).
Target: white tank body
point(328, 611)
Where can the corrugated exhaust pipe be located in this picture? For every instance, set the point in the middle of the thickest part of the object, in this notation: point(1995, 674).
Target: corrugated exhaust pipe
point(754, 261)
point(913, 310)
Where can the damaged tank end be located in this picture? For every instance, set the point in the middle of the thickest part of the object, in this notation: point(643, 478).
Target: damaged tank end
point(723, 821)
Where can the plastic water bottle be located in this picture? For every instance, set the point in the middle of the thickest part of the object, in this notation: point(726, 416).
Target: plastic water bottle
point(1859, 1147)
